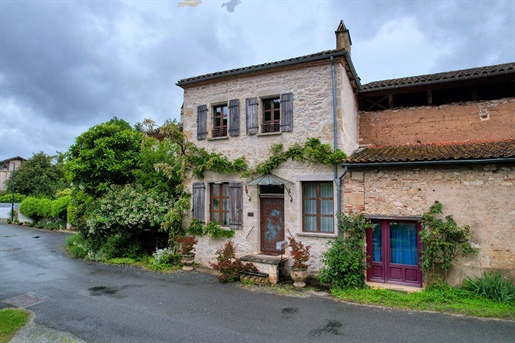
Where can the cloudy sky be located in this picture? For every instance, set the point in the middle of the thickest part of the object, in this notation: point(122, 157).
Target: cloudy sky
point(68, 65)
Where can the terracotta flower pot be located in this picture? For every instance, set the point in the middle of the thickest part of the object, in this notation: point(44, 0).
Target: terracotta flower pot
point(299, 277)
point(187, 261)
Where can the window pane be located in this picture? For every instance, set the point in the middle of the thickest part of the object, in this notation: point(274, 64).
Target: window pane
point(310, 223)
point(326, 224)
point(310, 190)
point(326, 207)
point(225, 204)
point(226, 218)
point(326, 190)
point(215, 216)
point(310, 207)
point(377, 243)
point(403, 243)
point(225, 190)
point(277, 103)
point(215, 189)
point(215, 204)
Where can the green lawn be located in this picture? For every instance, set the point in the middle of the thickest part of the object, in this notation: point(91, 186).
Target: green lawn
point(441, 299)
point(10, 321)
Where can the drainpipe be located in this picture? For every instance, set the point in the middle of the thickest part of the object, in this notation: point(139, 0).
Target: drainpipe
point(337, 179)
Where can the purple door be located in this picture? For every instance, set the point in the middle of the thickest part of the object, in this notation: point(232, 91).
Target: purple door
point(272, 223)
point(393, 248)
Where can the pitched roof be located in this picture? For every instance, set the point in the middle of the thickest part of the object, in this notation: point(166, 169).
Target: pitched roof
point(16, 158)
point(292, 61)
point(457, 75)
point(450, 151)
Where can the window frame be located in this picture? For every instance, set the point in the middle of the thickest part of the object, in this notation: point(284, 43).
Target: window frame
point(273, 124)
point(318, 213)
point(221, 129)
point(220, 197)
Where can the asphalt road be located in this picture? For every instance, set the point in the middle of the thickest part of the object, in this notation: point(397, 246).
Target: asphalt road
point(105, 303)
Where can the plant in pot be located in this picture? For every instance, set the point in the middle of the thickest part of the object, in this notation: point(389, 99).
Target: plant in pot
point(300, 255)
point(187, 245)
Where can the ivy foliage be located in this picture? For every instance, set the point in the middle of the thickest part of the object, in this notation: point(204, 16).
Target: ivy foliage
point(345, 261)
point(444, 242)
point(212, 229)
point(313, 151)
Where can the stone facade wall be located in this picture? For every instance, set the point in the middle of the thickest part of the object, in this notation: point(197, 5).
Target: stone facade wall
point(481, 196)
point(311, 86)
point(486, 120)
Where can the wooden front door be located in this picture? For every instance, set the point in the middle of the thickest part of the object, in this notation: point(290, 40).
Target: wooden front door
point(272, 223)
point(393, 249)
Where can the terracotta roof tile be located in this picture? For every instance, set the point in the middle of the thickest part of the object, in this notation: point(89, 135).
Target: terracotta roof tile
point(435, 152)
point(439, 77)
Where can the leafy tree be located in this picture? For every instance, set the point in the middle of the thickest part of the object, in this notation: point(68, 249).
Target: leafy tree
point(104, 155)
point(41, 175)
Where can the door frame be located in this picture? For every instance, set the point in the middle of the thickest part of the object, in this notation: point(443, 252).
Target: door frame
point(381, 271)
point(262, 222)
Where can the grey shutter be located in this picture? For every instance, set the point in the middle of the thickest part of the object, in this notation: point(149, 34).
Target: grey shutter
point(236, 205)
point(252, 116)
point(234, 117)
point(201, 122)
point(199, 191)
point(286, 112)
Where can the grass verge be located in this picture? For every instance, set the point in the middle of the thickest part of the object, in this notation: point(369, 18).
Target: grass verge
point(441, 299)
point(11, 320)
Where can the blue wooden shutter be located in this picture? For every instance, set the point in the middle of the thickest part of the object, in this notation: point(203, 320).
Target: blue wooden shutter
point(199, 191)
point(201, 122)
point(236, 205)
point(286, 112)
point(234, 117)
point(252, 116)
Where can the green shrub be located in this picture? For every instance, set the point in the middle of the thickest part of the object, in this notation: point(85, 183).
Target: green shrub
point(164, 259)
point(345, 261)
point(7, 198)
point(77, 246)
point(59, 207)
point(122, 244)
point(444, 241)
point(492, 285)
point(29, 208)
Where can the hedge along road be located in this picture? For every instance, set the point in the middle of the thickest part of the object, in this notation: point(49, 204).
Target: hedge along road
point(107, 303)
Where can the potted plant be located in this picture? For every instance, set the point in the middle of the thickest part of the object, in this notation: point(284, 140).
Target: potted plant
point(187, 245)
point(300, 255)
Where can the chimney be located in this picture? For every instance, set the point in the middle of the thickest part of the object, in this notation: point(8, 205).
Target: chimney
point(343, 37)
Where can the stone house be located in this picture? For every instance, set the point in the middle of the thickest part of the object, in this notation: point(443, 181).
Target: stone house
point(7, 167)
point(245, 111)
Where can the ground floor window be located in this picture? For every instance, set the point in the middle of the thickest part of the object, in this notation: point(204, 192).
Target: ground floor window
point(219, 204)
point(393, 247)
point(317, 207)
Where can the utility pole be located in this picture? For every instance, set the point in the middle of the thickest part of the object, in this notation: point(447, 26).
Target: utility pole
point(12, 197)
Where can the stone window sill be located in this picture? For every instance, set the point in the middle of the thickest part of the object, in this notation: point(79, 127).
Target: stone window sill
point(269, 134)
point(218, 138)
point(317, 234)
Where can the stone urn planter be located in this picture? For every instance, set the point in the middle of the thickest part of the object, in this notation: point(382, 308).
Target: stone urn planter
point(187, 244)
point(300, 255)
point(298, 276)
point(187, 261)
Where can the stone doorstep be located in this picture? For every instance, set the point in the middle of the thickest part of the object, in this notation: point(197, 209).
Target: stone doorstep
point(392, 287)
point(268, 264)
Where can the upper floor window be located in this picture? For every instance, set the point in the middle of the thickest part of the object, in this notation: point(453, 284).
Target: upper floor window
point(276, 114)
point(317, 207)
point(220, 115)
point(225, 119)
point(271, 115)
